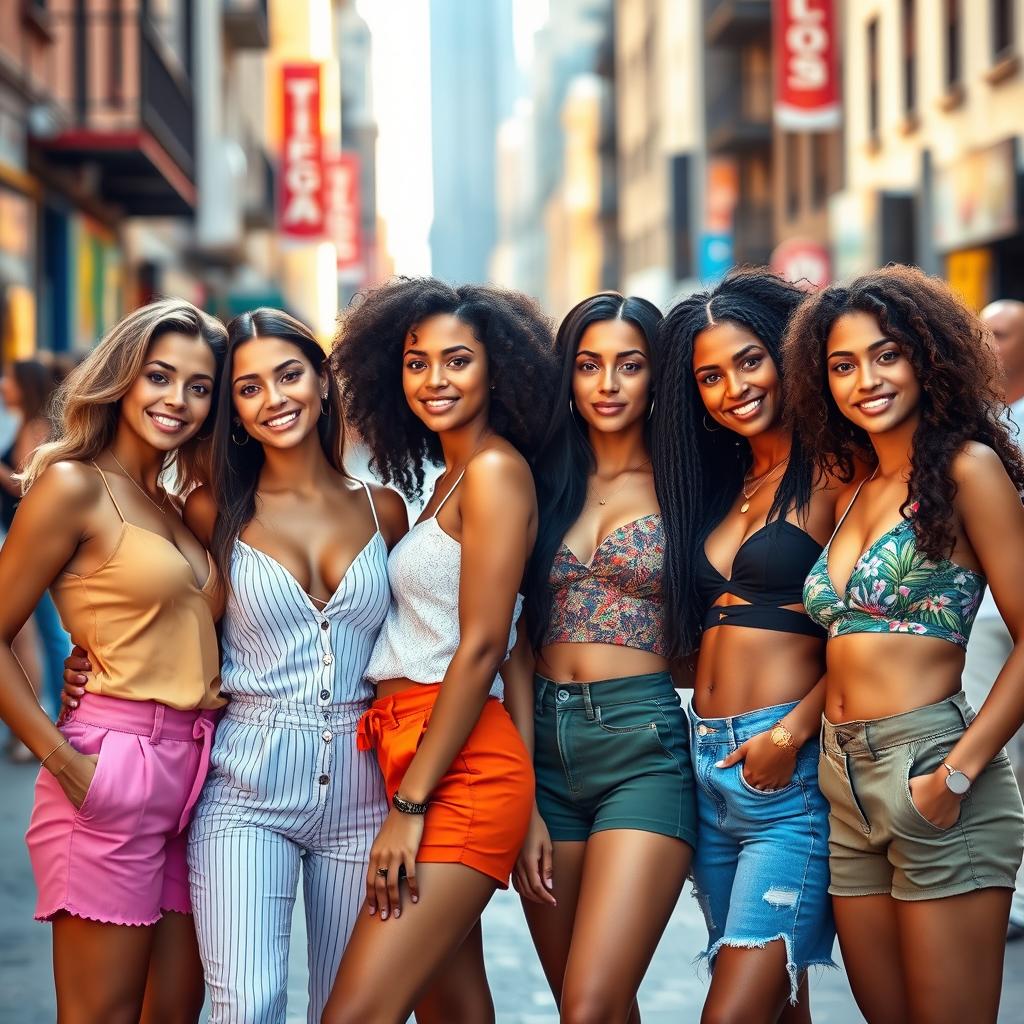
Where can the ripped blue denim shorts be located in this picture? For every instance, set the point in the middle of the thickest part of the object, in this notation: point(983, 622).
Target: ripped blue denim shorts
point(760, 869)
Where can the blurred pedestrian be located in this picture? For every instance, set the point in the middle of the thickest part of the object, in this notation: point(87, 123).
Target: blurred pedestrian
point(459, 375)
point(991, 643)
point(107, 838)
point(926, 827)
point(27, 389)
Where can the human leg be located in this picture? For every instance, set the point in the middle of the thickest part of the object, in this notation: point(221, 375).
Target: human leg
point(243, 881)
point(620, 917)
point(952, 956)
point(460, 994)
point(389, 964)
point(99, 970)
point(174, 984)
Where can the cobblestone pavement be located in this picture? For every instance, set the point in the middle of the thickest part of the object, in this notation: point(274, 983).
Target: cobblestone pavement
point(672, 992)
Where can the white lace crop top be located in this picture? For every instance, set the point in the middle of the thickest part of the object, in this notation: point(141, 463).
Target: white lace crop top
point(421, 632)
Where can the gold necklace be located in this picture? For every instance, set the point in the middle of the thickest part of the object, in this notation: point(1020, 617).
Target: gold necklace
point(161, 508)
point(765, 477)
point(608, 497)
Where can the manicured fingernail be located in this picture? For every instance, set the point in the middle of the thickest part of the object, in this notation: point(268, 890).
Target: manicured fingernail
point(74, 703)
point(415, 899)
point(548, 884)
point(398, 913)
point(719, 764)
point(383, 915)
point(372, 911)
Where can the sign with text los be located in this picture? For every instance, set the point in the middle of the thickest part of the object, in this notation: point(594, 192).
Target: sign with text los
point(341, 173)
point(806, 71)
point(302, 208)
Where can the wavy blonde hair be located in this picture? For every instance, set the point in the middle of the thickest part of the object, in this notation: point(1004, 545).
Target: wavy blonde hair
point(86, 406)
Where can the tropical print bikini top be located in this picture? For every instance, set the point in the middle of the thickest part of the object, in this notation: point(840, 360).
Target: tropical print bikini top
point(894, 588)
point(616, 597)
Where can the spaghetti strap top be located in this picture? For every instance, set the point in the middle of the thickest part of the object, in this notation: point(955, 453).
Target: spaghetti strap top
point(146, 623)
point(421, 632)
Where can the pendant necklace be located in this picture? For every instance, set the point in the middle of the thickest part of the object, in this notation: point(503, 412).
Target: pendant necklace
point(609, 496)
point(161, 508)
point(765, 477)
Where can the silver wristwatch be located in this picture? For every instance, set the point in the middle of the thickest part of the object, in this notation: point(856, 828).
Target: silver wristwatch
point(956, 781)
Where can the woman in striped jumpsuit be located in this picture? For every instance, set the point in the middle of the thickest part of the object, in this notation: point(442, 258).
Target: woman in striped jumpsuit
point(304, 548)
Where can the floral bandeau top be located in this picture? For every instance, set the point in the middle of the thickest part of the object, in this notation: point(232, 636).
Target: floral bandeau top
point(616, 598)
point(895, 589)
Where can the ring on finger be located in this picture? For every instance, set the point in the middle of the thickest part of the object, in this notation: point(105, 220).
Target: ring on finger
point(382, 872)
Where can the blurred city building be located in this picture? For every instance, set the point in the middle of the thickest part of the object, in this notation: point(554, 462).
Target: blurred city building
point(473, 89)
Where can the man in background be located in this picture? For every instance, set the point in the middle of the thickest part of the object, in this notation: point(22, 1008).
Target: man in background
point(990, 643)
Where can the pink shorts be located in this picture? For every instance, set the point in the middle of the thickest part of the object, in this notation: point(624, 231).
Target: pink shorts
point(120, 858)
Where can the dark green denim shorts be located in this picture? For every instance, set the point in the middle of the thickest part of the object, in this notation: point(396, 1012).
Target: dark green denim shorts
point(613, 754)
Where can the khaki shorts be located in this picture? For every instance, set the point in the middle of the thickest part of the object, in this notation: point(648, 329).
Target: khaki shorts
point(880, 843)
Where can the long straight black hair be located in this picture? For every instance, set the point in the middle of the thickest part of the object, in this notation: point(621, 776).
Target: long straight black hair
point(699, 470)
point(565, 459)
point(235, 468)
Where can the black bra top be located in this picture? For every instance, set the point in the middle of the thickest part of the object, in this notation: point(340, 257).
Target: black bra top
point(768, 572)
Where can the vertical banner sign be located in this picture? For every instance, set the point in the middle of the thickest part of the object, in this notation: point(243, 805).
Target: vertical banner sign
point(806, 73)
point(302, 210)
point(341, 173)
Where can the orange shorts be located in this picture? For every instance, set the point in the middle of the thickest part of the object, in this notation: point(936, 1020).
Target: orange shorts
point(480, 810)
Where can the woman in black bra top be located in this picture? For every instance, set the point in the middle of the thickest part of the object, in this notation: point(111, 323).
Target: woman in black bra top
point(745, 518)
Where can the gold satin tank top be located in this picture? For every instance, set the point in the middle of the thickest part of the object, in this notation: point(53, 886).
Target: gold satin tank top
point(147, 626)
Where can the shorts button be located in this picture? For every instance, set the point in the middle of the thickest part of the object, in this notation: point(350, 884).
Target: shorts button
point(328, 659)
point(563, 695)
point(327, 735)
point(325, 694)
point(324, 779)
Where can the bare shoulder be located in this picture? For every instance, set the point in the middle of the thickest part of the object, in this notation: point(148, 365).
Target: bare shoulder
point(391, 512)
point(499, 466)
point(200, 513)
point(64, 495)
point(976, 461)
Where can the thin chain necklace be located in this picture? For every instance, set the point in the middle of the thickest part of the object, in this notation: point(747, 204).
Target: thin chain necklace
point(162, 507)
point(765, 477)
point(609, 496)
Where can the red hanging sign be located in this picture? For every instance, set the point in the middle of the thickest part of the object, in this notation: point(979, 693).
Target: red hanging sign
point(302, 208)
point(341, 172)
point(806, 71)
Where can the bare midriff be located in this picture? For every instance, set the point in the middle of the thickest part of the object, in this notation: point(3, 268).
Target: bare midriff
point(389, 687)
point(742, 669)
point(591, 663)
point(874, 675)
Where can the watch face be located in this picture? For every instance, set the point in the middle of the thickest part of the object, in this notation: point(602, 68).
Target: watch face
point(958, 783)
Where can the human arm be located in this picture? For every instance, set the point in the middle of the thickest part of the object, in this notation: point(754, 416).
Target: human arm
point(50, 524)
point(497, 505)
point(30, 437)
point(992, 518)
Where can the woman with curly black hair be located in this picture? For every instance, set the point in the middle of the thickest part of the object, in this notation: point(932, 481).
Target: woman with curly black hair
point(746, 516)
point(613, 830)
point(460, 376)
point(926, 821)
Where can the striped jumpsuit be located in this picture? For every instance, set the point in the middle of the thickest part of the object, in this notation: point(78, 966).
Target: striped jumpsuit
point(287, 786)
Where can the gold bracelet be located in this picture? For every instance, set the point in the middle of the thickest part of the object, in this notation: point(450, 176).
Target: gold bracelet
point(62, 743)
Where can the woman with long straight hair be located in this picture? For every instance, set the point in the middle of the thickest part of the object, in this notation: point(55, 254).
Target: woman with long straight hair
point(107, 837)
point(302, 548)
point(926, 824)
point(614, 826)
point(746, 514)
point(459, 376)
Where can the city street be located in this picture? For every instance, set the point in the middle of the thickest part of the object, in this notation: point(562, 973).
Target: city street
point(672, 993)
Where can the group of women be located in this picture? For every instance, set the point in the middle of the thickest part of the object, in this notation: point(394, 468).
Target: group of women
point(790, 503)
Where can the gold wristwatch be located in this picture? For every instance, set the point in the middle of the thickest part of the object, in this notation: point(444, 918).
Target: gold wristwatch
point(782, 737)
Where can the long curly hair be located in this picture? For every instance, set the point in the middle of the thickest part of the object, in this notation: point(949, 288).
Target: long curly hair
point(957, 371)
point(367, 357)
point(235, 468)
point(565, 459)
point(699, 471)
point(87, 405)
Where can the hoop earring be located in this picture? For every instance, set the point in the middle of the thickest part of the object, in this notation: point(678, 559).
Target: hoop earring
point(713, 429)
point(572, 410)
point(241, 444)
point(325, 408)
point(650, 411)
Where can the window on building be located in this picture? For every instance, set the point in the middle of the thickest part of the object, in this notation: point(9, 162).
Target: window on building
point(954, 42)
point(792, 174)
point(873, 80)
point(1002, 29)
point(821, 155)
point(909, 58)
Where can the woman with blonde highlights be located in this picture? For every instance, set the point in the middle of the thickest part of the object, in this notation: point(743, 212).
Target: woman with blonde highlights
point(134, 587)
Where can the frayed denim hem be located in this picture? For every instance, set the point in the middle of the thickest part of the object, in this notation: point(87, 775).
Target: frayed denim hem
point(793, 969)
